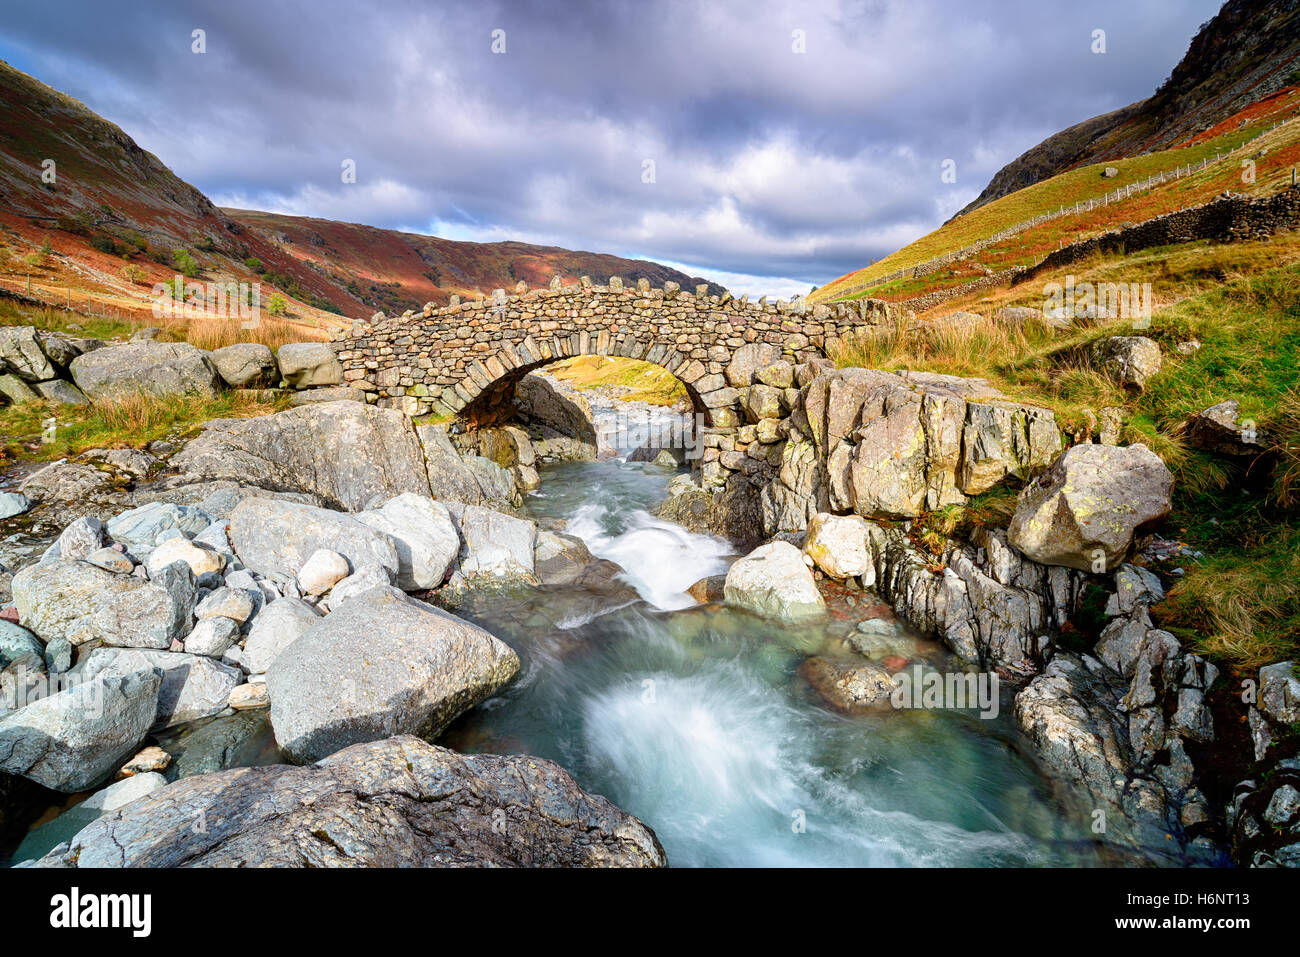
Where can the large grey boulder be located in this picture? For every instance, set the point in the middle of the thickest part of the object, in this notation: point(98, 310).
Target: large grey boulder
point(895, 445)
point(1129, 360)
point(62, 351)
point(1217, 429)
point(275, 538)
point(1279, 692)
point(65, 827)
point(773, 581)
point(212, 637)
point(246, 365)
point(450, 479)
point(61, 391)
point(838, 545)
point(353, 456)
point(1073, 713)
point(22, 355)
point(79, 539)
point(393, 803)
point(276, 627)
point(496, 484)
point(1083, 511)
point(72, 740)
point(426, 539)
point(67, 482)
point(380, 664)
point(81, 602)
point(15, 390)
point(307, 364)
point(17, 642)
point(13, 503)
point(150, 524)
point(496, 544)
point(560, 559)
point(154, 368)
point(193, 686)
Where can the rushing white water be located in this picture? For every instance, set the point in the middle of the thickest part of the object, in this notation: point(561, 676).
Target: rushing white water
point(735, 781)
point(661, 559)
point(696, 719)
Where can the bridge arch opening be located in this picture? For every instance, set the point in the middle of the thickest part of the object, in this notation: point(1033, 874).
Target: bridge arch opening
point(616, 426)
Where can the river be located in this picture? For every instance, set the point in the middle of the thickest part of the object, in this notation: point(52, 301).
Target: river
point(695, 719)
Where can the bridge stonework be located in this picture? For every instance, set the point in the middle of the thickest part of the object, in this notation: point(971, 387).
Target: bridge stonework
point(465, 358)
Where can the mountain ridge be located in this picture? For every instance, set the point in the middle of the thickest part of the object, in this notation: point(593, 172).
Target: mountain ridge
point(113, 214)
point(1220, 75)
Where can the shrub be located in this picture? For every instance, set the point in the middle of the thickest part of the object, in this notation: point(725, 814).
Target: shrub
point(276, 306)
point(186, 263)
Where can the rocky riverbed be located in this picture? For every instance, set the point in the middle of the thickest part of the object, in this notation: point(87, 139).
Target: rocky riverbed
point(286, 610)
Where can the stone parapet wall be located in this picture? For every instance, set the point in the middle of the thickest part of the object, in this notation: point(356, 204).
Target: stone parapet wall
point(468, 355)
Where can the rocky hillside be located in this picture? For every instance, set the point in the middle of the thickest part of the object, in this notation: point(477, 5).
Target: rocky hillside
point(1247, 52)
point(110, 218)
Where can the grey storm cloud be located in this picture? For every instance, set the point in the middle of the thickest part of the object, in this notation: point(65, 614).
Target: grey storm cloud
point(773, 168)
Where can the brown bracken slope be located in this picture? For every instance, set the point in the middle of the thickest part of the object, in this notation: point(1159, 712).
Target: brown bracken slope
point(114, 216)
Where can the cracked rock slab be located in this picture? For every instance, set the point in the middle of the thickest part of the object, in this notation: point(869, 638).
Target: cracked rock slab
point(381, 664)
point(393, 803)
point(72, 740)
point(350, 455)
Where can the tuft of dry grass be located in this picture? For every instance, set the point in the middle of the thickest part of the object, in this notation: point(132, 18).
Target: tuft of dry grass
point(204, 333)
point(212, 334)
point(131, 421)
point(1285, 444)
point(954, 348)
point(1242, 607)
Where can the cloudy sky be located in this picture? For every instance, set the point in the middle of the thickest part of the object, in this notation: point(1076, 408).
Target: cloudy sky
point(769, 144)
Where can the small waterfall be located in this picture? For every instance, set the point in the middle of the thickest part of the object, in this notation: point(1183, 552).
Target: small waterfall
point(661, 559)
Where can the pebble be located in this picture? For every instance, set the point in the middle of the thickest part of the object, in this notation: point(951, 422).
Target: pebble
point(249, 696)
point(152, 758)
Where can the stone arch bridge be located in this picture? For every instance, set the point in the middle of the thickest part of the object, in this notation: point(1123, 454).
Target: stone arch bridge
point(465, 358)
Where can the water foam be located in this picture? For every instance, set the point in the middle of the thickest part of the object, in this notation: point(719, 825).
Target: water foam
point(723, 765)
point(661, 559)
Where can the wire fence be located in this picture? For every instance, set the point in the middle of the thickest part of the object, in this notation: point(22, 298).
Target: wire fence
point(1083, 206)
